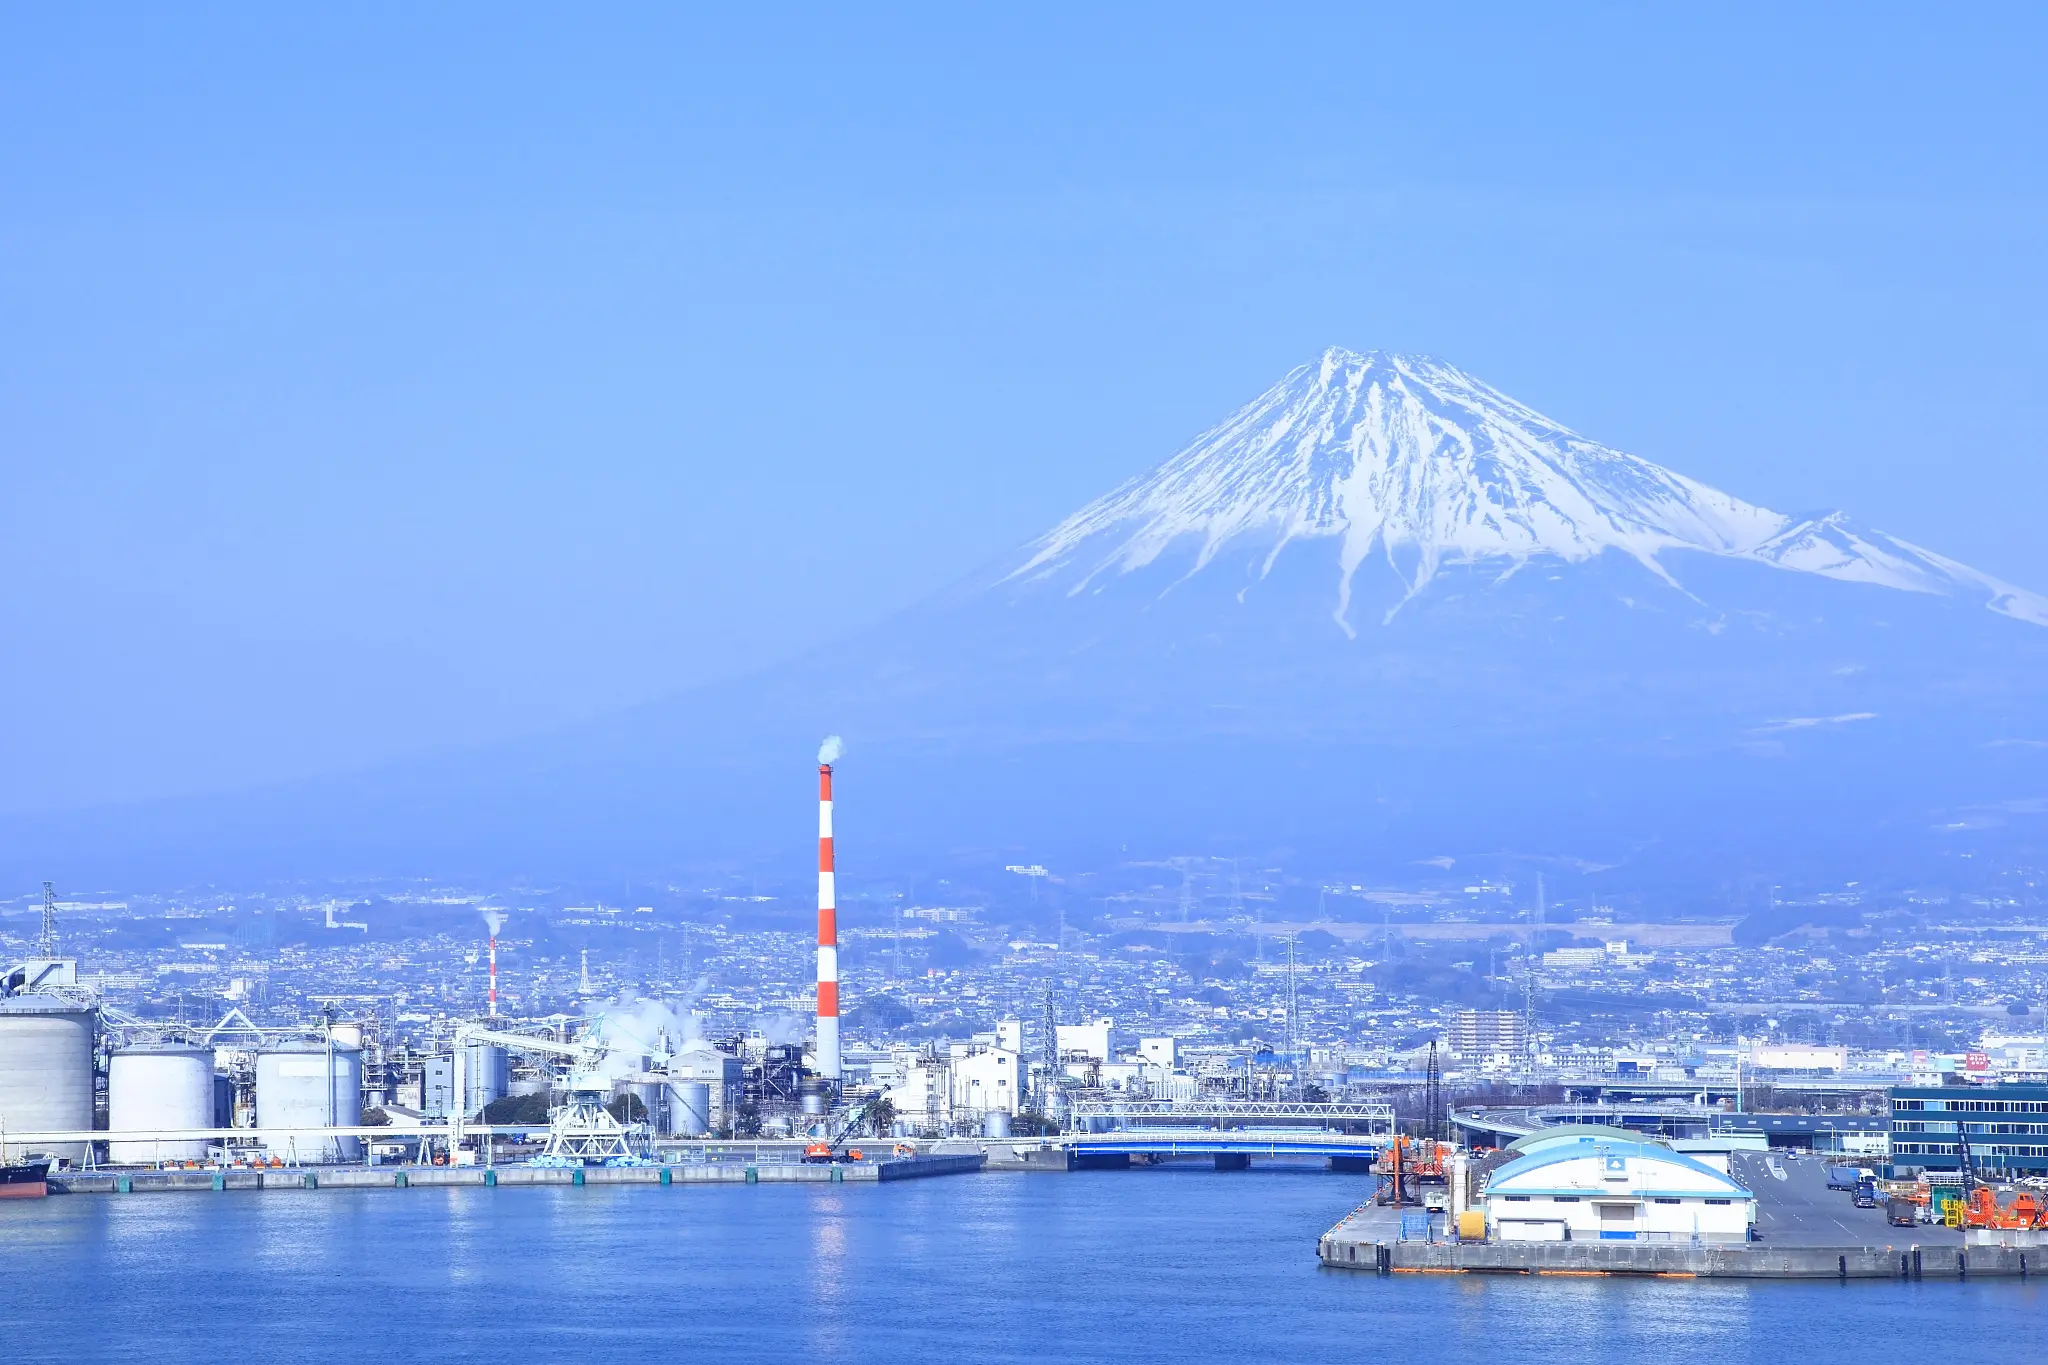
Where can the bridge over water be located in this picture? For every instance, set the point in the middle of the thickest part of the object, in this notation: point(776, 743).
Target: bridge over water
point(1229, 1132)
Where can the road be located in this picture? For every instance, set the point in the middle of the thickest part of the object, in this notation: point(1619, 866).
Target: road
point(1795, 1207)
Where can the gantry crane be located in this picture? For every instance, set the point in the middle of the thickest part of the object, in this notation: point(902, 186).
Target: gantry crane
point(581, 1131)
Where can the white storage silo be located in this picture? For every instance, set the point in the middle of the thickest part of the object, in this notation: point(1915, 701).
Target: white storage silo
point(348, 1098)
point(157, 1086)
point(45, 1073)
point(486, 1075)
point(689, 1108)
point(309, 1084)
point(647, 1089)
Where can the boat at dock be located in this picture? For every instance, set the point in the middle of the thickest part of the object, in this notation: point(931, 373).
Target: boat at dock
point(24, 1180)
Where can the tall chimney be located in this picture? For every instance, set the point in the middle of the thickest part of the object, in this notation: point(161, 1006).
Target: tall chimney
point(828, 936)
point(495, 921)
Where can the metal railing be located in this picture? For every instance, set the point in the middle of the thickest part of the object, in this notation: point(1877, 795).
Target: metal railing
point(1327, 1113)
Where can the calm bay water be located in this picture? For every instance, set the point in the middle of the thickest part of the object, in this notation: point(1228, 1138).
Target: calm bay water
point(1141, 1266)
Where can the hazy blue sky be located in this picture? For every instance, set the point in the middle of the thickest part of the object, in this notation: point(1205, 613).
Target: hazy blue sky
point(372, 380)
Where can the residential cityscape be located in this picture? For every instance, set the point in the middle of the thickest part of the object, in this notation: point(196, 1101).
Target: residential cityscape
point(1194, 977)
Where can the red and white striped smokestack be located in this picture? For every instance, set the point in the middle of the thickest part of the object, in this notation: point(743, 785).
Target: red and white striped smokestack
point(496, 921)
point(828, 923)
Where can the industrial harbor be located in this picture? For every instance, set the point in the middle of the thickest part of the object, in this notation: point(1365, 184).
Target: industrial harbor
point(1484, 1148)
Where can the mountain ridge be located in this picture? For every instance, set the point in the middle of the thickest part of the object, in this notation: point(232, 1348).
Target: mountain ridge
point(1544, 643)
point(1418, 460)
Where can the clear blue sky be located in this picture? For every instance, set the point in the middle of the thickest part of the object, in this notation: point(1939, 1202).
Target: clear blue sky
point(372, 380)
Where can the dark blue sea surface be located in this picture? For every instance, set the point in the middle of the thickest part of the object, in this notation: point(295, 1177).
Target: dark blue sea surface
point(1143, 1266)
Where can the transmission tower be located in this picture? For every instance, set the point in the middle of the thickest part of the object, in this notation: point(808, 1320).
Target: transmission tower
point(47, 946)
point(1049, 1049)
point(1292, 1027)
point(1529, 965)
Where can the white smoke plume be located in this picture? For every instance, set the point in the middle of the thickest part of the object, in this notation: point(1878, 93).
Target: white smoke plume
point(783, 1027)
point(637, 1030)
point(495, 919)
point(829, 751)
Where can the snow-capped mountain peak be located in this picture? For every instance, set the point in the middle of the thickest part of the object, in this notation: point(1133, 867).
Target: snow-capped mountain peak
point(1413, 459)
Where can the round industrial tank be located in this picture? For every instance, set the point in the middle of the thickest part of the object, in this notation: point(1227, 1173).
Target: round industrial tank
point(646, 1089)
point(689, 1108)
point(304, 1085)
point(45, 1072)
point(995, 1124)
point(157, 1086)
point(347, 1035)
point(486, 1075)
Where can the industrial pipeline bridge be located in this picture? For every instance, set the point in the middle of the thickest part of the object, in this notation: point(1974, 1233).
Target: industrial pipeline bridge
point(1230, 1149)
point(1229, 1132)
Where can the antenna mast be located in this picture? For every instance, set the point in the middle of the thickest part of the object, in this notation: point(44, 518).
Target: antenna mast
point(47, 946)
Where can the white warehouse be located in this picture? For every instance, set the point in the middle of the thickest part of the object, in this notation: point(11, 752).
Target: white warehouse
point(1602, 1190)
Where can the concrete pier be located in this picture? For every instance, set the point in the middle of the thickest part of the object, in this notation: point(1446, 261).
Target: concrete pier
point(422, 1177)
point(1344, 1248)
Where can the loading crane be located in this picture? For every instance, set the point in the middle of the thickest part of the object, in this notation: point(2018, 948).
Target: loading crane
point(581, 1131)
point(831, 1148)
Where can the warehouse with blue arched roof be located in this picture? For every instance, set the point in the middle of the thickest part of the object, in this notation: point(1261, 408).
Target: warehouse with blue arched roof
point(1596, 1188)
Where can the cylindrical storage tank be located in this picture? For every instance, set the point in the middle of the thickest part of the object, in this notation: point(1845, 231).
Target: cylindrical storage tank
point(648, 1091)
point(158, 1086)
point(309, 1084)
point(689, 1108)
point(995, 1124)
point(347, 1035)
point(348, 1099)
point(486, 1075)
point(45, 1073)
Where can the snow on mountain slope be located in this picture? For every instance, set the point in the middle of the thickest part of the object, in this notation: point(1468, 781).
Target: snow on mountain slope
point(1829, 545)
point(1417, 461)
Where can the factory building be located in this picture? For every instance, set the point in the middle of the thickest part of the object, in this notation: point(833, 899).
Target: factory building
point(1090, 1042)
point(1595, 1188)
point(990, 1081)
point(724, 1077)
point(2003, 1127)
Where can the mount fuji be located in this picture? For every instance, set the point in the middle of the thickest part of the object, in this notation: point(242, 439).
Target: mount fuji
point(1382, 613)
point(1412, 460)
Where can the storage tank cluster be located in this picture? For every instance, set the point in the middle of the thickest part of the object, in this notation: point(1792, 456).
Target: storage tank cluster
point(48, 1046)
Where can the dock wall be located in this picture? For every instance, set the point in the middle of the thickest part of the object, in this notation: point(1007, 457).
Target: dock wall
point(422, 1177)
point(1753, 1261)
